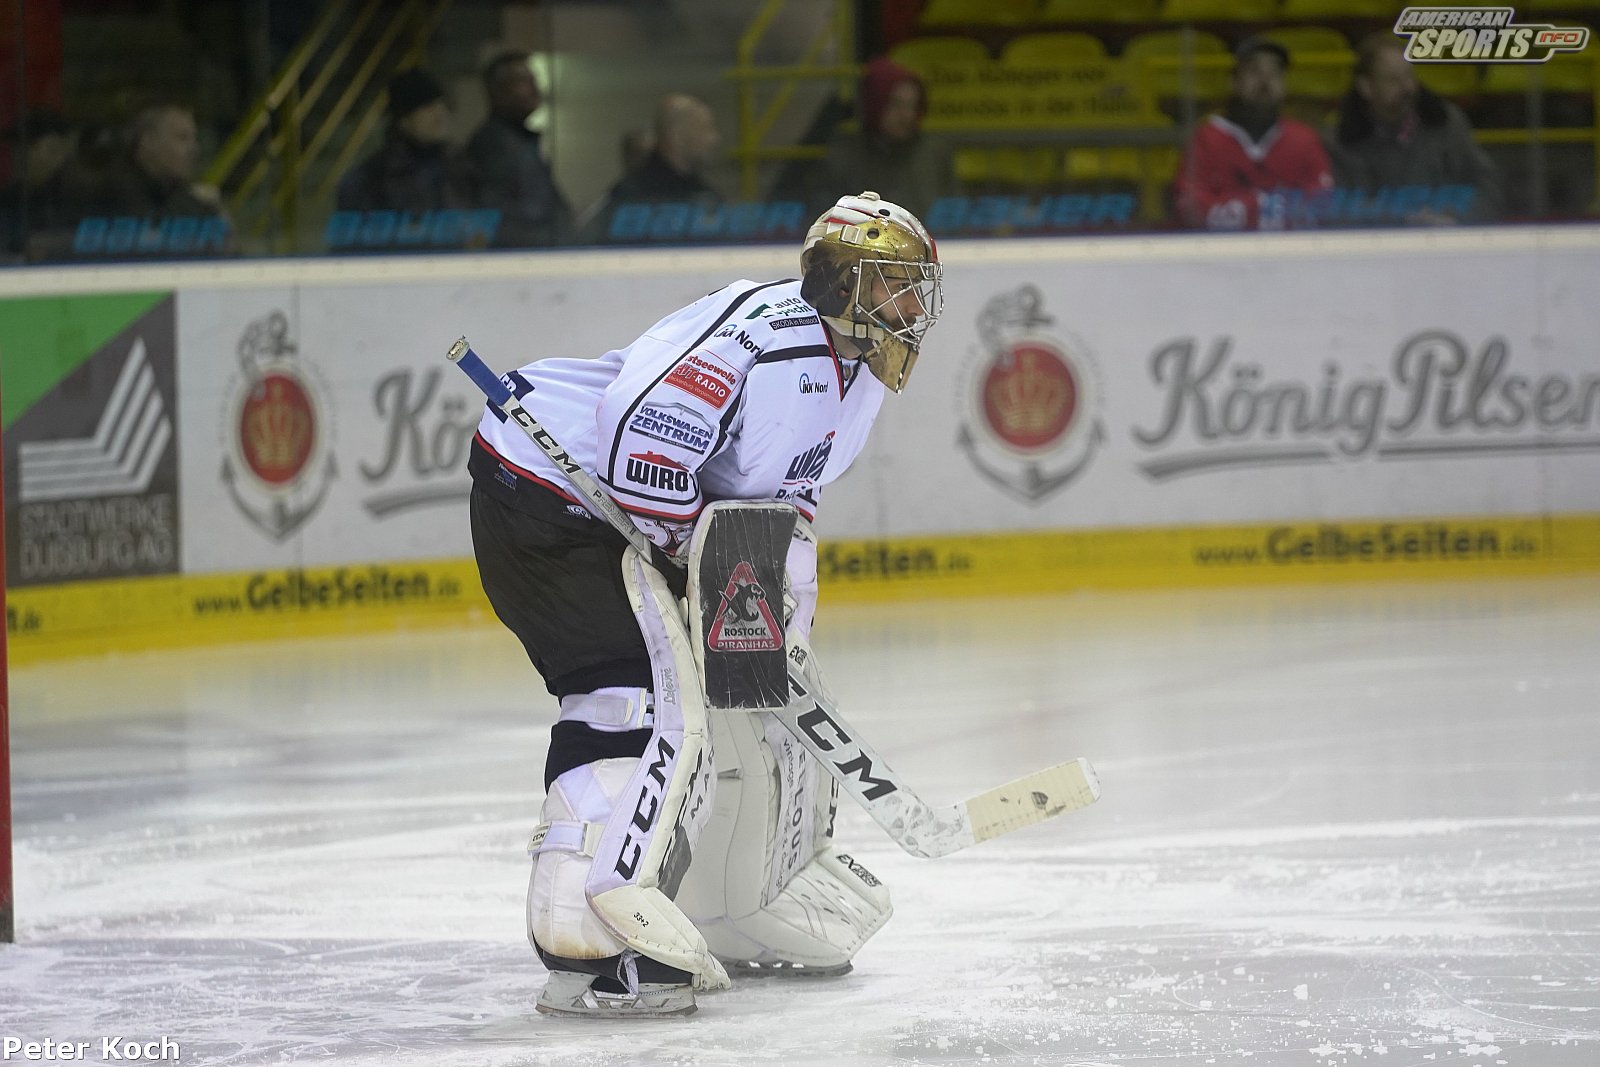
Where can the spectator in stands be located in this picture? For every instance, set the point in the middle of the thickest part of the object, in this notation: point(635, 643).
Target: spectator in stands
point(157, 177)
point(686, 143)
point(509, 171)
point(673, 170)
point(633, 147)
point(1250, 167)
point(889, 153)
point(413, 170)
point(36, 201)
point(1393, 133)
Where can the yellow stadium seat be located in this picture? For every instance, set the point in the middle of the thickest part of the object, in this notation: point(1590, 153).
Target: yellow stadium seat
point(1031, 165)
point(1156, 163)
point(1341, 9)
point(1164, 161)
point(1050, 48)
point(1572, 73)
point(1219, 10)
point(978, 12)
point(1099, 10)
point(923, 53)
point(1168, 47)
point(971, 165)
point(1103, 164)
point(1449, 79)
point(1320, 60)
point(1026, 166)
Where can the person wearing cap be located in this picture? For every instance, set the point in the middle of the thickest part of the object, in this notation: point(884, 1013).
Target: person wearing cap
point(413, 170)
point(889, 152)
point(1245, 165)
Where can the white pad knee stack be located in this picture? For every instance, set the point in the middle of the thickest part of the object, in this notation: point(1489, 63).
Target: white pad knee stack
point(576, 808)
point(765, 886)
point(620, 831)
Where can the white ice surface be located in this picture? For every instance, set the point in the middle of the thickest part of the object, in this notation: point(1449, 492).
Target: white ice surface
point(1340, 826)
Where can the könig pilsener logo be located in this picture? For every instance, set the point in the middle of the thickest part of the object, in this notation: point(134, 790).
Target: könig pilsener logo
point(277, 464)
point(1031, 424)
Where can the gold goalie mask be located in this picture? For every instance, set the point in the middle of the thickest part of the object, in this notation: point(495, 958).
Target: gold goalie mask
point(870, 269)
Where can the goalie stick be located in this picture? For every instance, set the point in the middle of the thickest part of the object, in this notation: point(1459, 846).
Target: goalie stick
point(920, 828)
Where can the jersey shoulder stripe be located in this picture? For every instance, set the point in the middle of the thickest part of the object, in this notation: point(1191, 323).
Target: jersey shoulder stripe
point(784, 355)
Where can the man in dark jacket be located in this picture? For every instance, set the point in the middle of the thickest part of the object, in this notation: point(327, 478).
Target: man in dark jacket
point(35, 203)
point(151, 177)
point(509, 171)
point(686, 142)
point(1394, 133)
point(158, 178)
point(412, 170)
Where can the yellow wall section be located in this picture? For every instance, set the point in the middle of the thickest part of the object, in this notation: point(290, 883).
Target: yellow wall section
point(130, 614)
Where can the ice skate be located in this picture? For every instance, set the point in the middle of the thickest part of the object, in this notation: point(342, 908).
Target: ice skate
point(783, 969)
point(572, 994)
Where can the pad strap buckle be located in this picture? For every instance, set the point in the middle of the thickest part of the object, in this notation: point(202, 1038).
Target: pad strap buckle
point(566, 835)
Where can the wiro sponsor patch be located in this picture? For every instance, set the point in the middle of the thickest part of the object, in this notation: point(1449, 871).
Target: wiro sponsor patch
point(655, 471)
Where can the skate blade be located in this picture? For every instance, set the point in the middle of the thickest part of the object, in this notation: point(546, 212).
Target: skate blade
point(752, 969)
point(561, 1012)
point(575, 1000)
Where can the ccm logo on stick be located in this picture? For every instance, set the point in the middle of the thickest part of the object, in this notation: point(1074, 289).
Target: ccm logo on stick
point(861, 766)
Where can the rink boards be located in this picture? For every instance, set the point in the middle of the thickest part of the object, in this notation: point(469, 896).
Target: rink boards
point(223, 451)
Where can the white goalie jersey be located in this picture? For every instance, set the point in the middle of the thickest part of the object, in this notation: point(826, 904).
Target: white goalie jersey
point(739, 396)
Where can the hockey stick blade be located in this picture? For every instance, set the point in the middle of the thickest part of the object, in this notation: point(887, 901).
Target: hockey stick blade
point(1033, 798)
point(920, 828)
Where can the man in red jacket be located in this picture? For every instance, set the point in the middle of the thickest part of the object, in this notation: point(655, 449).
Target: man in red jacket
point(1245, 165)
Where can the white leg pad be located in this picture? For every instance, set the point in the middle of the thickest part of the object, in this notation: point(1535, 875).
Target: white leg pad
point(765, 886)
point(820, 919)
point(664, 806)
point(559, 916)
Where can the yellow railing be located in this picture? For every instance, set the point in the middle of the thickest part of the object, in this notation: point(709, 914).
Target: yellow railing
point(300, 127)
point(756, 122)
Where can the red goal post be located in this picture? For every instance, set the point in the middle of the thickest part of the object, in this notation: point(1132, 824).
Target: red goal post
point(8, 927)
